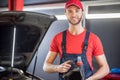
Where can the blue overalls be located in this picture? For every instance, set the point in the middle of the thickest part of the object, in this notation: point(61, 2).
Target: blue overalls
point(66, 56)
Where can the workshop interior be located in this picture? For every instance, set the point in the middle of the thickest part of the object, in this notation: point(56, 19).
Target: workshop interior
point(28, 26)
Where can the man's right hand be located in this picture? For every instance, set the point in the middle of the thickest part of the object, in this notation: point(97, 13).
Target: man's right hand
point(64, 67)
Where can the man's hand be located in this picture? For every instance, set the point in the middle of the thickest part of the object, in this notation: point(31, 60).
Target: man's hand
point(64, 67)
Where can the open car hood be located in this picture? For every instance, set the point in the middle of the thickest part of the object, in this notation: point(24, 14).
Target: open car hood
point(21, 34)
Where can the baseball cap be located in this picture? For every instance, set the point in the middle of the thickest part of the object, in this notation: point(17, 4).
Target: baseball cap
point(74, 2)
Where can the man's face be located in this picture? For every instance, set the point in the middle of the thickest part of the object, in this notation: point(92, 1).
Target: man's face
point(74, 14)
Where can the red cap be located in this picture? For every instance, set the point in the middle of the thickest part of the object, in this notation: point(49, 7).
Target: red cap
point(74, 2)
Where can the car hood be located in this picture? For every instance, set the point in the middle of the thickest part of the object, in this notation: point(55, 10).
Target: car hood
point(21, 33)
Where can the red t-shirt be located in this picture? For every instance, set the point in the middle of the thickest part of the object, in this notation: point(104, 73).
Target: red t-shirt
point(74, 44)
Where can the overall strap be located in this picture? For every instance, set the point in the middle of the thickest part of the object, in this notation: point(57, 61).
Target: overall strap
point(88, 72)
point(86, 42)
point(64, 42)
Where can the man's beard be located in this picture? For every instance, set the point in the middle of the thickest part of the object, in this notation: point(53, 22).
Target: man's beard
point(76, 22)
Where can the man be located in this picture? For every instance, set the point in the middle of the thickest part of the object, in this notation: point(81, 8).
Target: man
point(76, 41)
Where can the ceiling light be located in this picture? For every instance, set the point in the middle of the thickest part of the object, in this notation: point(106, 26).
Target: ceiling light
point(101, 16)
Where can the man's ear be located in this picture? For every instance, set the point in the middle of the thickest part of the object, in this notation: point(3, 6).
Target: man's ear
point(65, 12)
point(83, 13)
point(83, 18)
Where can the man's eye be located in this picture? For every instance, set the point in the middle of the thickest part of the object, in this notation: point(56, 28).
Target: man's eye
point(69, 11)
point(77, 10)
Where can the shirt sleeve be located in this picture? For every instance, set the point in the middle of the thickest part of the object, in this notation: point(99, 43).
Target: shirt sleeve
point(53, 44)
point(98, 47)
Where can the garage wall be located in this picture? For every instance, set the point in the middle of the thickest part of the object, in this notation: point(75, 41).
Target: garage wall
point(108, 30)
